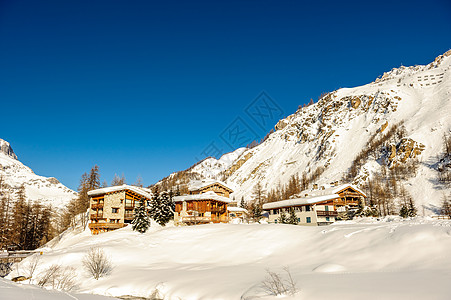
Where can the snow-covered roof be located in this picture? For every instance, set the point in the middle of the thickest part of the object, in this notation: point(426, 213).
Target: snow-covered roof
point(210, 195)
point(236, 209)
point(300, 201)
point(328, 190)
point(199, 184)
point(117, 188)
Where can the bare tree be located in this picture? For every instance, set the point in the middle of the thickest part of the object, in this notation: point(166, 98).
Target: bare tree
point(33, 263)
point(275, 284)
point(97, 263)
point(58, 277)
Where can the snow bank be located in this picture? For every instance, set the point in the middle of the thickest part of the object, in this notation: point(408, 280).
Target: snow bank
point(388, 259)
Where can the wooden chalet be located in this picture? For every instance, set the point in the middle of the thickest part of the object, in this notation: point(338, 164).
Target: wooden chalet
point(206, 203)
point(317, 206)
point(112, 207)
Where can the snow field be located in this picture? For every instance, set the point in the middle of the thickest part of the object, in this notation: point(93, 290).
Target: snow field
point(388, 259)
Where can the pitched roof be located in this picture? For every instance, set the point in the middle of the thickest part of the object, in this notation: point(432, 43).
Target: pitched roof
point(236, 209)
point(329, 190)
point(210, 195)
point(123, 187)
point(199, 184)
point(300, 201)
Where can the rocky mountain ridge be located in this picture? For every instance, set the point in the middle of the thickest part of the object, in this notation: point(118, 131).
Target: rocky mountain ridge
point(14, 174)
point(328, 136)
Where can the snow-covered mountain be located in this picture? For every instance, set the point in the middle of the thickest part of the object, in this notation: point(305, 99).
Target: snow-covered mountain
point(46, 190)
point(333, 131)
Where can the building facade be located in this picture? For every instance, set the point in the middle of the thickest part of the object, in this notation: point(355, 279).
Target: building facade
point(319, 206)
point(206, 203)
point(112, 207)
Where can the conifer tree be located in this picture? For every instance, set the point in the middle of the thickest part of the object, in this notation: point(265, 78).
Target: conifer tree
point(404, 212)
point(243, 203)
point(256, 212)
point(283, 217)
point(292, 219)
point(412, 210)
point(162, 208)
point(141, 220)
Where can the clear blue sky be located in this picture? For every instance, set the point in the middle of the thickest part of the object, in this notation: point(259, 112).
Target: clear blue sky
point(144, 87)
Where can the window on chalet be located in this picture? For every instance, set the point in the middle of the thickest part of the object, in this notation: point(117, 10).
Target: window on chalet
point(275, 211)
point(115, 210)
point(307, 208)
point(327, 219)
point(299, 220)
point(308, 219)
point(326, 208)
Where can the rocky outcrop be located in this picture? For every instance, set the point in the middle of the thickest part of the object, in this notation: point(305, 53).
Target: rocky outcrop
point(6, 148)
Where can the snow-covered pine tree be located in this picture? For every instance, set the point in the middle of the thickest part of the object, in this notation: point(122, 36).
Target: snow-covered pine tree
point(292, 219)
point(283, 217)
point(141, 220)
point(154, 203)
point(164, 210)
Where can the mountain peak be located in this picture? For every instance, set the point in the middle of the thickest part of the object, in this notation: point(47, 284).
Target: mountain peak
point(6, 148)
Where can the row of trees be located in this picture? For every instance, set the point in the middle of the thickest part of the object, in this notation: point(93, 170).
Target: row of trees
point(294, 185)
point(161, 209)
point(23, 224)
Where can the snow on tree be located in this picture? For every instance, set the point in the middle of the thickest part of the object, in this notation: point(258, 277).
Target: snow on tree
point(141, 220)
point(162, 208)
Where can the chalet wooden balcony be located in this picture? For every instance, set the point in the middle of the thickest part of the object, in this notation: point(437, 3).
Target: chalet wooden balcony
point(350, 194)
point(218, 209)
point(129, 216)
point(323, 213)
point(97, 205)
point(96, 216)
point(196, 219)
point(220, 219)
point(105, 225)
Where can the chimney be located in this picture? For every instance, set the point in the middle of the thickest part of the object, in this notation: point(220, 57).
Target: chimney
point(315, 186)
point(336, 183)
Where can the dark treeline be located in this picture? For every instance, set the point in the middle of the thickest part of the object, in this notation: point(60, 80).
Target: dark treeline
point(23, 224)
point(294, 185)
point(27, 225)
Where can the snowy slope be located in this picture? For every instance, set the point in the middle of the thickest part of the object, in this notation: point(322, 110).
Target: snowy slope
point(333, 131)
point(12, 291)
point(46, 190)
point(388, 259)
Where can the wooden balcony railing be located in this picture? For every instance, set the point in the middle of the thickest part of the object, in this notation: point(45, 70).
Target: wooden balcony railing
point(105, 225)
point(218, 209)
point(323, 213)
point(220, 219)
point(96, 216)
point(196, 219)
point(97, 205)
